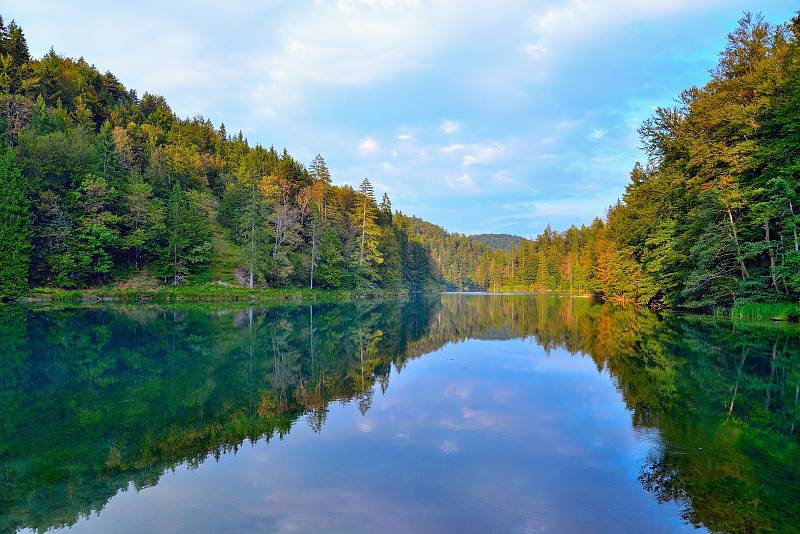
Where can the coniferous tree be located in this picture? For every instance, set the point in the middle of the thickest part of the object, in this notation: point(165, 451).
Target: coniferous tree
point(366, 218)
point(15, 229)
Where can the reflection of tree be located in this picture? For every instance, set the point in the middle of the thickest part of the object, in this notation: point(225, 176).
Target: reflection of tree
point(140, 389)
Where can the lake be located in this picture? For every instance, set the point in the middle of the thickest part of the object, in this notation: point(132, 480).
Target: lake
point(460, 413)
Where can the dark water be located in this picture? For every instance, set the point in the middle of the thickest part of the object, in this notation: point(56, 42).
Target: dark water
point(453, 413)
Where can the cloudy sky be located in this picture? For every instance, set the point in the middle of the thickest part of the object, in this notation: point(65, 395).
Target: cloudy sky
point(479, 116)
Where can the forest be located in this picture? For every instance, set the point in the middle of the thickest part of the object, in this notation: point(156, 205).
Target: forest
point(710, 219)
point(100, 186)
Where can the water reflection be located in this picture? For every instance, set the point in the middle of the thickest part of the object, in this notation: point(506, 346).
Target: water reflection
point(99, 399)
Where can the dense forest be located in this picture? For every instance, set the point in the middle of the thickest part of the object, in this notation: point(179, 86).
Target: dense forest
point(711, 218)
point(503, 241)
point(102, 186)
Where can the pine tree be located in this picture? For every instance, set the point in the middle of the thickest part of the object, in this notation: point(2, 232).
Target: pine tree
point(15, 229)
point(319, 170)
point(108, 161)
point(385, 210)
point(251, 230)
point(368, 230)
point(83, 116)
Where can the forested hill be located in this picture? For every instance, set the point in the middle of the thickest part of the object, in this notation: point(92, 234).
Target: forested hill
point(501, 241)
point(99, 185)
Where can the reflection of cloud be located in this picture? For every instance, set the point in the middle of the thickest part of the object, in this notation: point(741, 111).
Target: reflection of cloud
point(365, 426)
point(502, 395)
point(477, 420)
point(447, 447)
point(461, 391)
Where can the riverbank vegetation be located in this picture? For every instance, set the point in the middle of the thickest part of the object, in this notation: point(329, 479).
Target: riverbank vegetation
point(104, 188)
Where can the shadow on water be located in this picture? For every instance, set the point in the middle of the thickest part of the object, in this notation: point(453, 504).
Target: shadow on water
point(94, 399)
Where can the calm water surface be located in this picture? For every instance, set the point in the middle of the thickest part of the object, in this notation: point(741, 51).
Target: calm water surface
point(454, 413)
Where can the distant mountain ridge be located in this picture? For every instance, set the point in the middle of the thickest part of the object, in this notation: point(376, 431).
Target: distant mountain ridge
point(498, 241)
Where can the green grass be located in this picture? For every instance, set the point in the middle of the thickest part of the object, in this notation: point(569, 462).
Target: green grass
point(227, 256)
point(204, 292)
point(776, 311)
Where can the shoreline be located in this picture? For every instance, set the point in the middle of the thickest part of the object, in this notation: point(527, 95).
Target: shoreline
point(203, 293)
point(786, 312)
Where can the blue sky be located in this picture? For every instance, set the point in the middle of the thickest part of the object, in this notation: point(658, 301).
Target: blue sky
point(478, 116)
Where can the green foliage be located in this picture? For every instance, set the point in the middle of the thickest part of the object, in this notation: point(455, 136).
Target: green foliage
point(501, 241)
point(712, 218)
point(776, 311)
point(120, 189)
point(189, 235)
point(15, 229)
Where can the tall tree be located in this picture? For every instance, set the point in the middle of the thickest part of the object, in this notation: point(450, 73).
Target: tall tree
point(368, 231)
point(15, 229)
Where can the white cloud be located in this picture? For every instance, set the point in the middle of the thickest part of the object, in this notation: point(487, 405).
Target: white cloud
point(573, 210)
point(475, 153)
point(502, 178)
point(362, 42)
point(571, 22)
point(449, 149)
point(535, 50)
point(368, 146)
point(462, 182)
point(483, 154)
point(404, 137)
point(449, 126)
point(597, 134)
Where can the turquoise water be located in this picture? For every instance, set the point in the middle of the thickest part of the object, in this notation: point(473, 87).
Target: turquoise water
point(468, 413)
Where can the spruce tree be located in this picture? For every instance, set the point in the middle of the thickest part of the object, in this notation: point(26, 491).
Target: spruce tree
point(15, 229)
point(319, 170)
point(366, 219)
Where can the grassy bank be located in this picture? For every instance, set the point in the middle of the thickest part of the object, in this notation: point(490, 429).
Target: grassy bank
point(775, 311)
point(204, 292)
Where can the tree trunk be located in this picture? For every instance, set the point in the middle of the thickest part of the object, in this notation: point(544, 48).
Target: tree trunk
point(252, 252)
point(771, 374)
point(738, 247)
point(736, 385)
point(794, 227)
point(313, 252)
point(363, 230)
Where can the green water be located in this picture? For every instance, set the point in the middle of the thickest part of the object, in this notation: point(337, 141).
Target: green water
point(467, 413)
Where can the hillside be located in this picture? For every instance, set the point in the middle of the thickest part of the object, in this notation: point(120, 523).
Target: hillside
point(100, 186)
point(498, 241)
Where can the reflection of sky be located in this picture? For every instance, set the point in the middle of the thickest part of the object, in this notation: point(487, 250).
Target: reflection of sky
point(478, 436)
